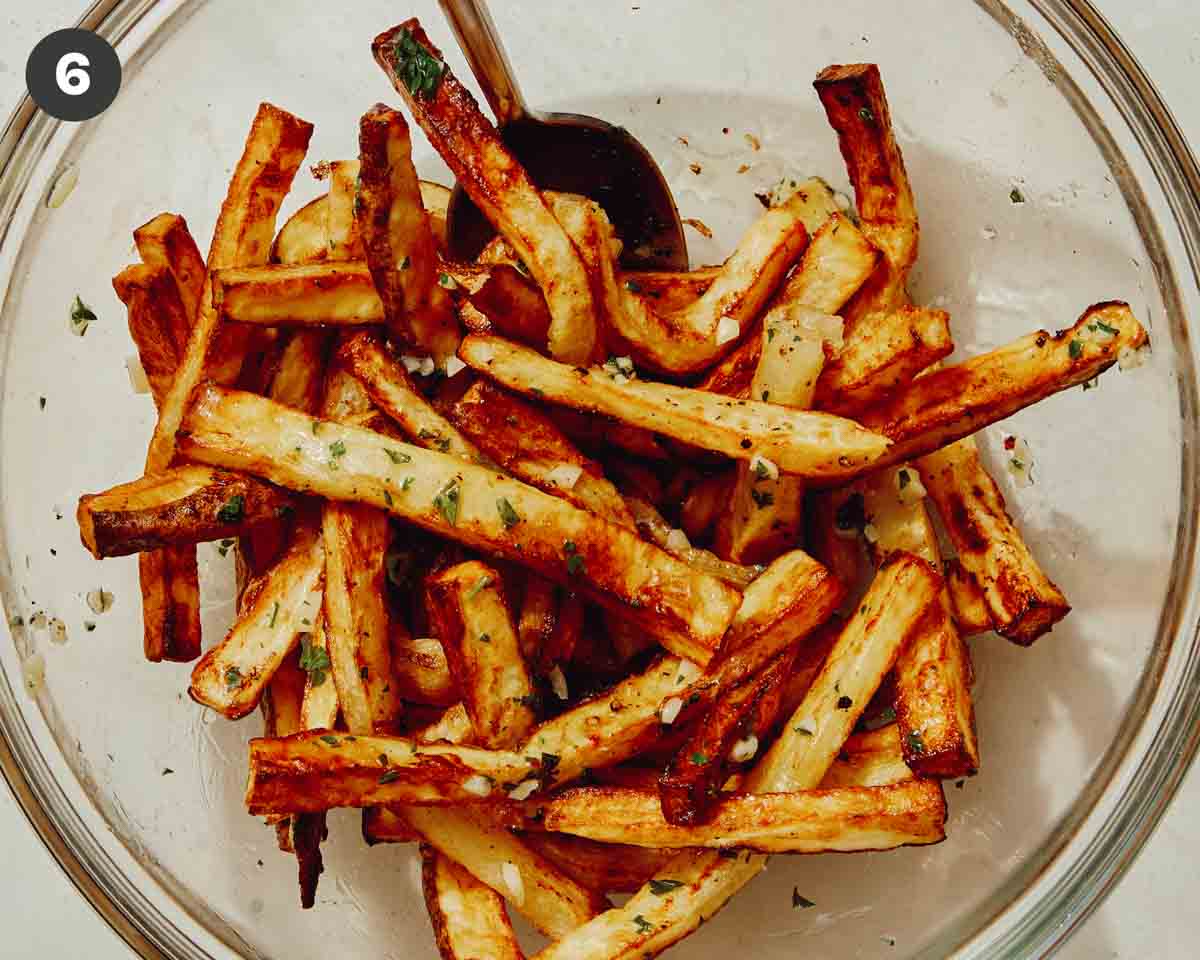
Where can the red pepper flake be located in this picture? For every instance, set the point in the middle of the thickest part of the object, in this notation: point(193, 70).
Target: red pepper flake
point(1010, 442)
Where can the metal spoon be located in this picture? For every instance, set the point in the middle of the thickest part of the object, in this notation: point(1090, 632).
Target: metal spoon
point(567, 152)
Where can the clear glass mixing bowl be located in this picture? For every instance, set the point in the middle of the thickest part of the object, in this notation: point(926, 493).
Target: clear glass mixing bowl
point(1084, 737)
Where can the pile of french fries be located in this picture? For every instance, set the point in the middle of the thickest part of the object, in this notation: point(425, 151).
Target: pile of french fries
point(556, 570)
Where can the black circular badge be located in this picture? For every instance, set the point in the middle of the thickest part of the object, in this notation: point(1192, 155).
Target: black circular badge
point(73, 74)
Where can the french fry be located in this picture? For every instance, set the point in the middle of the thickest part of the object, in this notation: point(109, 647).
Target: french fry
point(332, 293)
point(842, 819)
point(166, 242)
point(231, 677)
point(870, 759)
point(1022, 602)
point(539, 615)
point(435, 198)
point(653, 527)
point(968, 605)
point(689, 788)
point(550, 899)
point(686, 610)
point(568, 628)
point(385, 825)
point(305, 236)
point(184, 505)
point(809, 444)
point(954, 401)
point(422, 672)
point(158, 322)
point(281, 708)
point(274, 151)
point(603, 867)
point(765, 513)
point(300, 376)
point(835, 264)
point(498, 185)
point(397, 237)
point(341, 224)
point(468, 918)
point(393, 391)
point(933, 673)
point(668, 290)
point(319, 708)
point(454, 726)
point(512, 304)
point(468, 610)
point(316, 771)
point(857, 108)
point(903, 594)
point(526, 443)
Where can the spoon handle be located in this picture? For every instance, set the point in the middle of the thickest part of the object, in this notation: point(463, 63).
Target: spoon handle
point(477, 36)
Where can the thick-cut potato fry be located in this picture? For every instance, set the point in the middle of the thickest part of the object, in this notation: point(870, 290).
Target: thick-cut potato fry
point(319, 709)
point(274, 151)
point(603, 867)
point(689, 787)
point(550, 899)
point(809, 444)
point(884, 353)
point(842, 819)
point(332, 293)
point(670, 291)
point(305, 236)
point(870, 759)
point(468, 611)
point(857, 108)
point(499, 186)
point(315, 771)
point(539, 615)
point(968, 604)
point(651, 921)
point(513, 305)
point(686, 610)
point(231, 677)
point(454, 726)
point(469, 920)
point(765, 513)
point(933, 673)
point(397, 237)
point(158, 322)
point(422, 672)
point(836, 263)
point(652, 526)
point(341, 222)
point(300, 376)
point(526, 443)
point(588, 228)
point(954, 401)
point(903, 594)
point(184, 505)
point(1023, 603)
point(392, 390)
point(435, 198)
point(166, 242)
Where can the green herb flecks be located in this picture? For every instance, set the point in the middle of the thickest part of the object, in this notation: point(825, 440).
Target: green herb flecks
point(574, 560)
point(223, 547)
point(699, 759)
point(643, 925)
point(660, 888)
point(481, 584)
point(418, 69)
point(447, 502)
point(762, 498)
point(233, 510)
point(799, 901)
point(331, 740)
point(1016, 196)
point(396, 456)
point(314, 661)
point(274, 614)
point(1075, 349)
point(233, 677)
point(508, 516)
point(81, 316)
point(389, 775)
point(914, 742)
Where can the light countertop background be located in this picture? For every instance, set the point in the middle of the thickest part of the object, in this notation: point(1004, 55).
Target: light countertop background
point(1151, 914)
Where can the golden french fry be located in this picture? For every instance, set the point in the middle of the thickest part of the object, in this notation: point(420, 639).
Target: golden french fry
point(968, 605)
point(469, 920)
point(341, 223)
point(304, 238)
point(158, 322)
point(166, 242)
point(869, 759)
point(603, 867)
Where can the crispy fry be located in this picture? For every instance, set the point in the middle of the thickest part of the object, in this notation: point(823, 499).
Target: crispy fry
point(842, 819)
point(871, 759)
point(158, 322)
point(468, 611)
point(274, 150)
point(391, 388)
point(300, 377)
point(315, 771)
point(1022, 602)
point(686, 610)
point(968, 605)
point(304, 238)
point(954, 401)
point(513, 305)
point(319, 708)
point(184, 505)
point(422, 673)
point(231, 677)
point(333, 293)
point(166, 242)
point(526, 443)
point(933, 673)
point(469, 920)
point(689, 788)
point(341, 223)
point(398, 240)
point(549, 898)
point(903, 594)
point(603, 867)
point(501, 188)
point(454, 726)
point(800, 442)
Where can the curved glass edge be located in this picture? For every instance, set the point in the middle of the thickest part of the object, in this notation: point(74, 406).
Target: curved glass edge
point(1110, 847)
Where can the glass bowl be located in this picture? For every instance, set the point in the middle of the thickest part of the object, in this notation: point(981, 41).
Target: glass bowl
point(137, 791)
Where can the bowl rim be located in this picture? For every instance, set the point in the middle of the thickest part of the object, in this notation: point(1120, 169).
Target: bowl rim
point(1150, 786)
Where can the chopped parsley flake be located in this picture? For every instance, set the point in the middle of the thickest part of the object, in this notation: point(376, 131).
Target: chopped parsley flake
point(508, 516)
point(1016, 196)
point(314, 661)
point(389, 775)
point(914, 742)
point(233, 677)
point(800, 901)
point(762, 498)
point(419, 70)
point(447, 502)
point(274, 614)
point(643, 925)
point(661, 888)
point(1075, 349)
point(699, 759)
point(331, 740)
point(337, 449)
point(233, 510)
point(481, 584)
point(223, 547)
point(81, 316)
point(396, 456)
